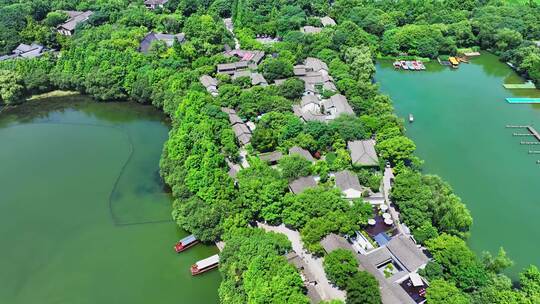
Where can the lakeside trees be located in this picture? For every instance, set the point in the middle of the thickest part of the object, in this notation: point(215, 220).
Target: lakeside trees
point(102, 60)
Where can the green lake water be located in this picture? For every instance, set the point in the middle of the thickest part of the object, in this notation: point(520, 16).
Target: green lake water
point(79, 182)
point(460, 131)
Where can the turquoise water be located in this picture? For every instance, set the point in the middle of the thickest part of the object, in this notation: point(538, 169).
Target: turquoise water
point(79, 185)
point(460, 131)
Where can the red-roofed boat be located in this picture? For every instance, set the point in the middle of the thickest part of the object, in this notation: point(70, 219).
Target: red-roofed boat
point(185, 243)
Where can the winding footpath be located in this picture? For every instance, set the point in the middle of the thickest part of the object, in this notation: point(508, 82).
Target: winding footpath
point(315, 265)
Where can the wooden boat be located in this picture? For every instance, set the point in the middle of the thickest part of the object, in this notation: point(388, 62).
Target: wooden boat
point(454, 61)
point(411, 118)
point(185, 243)
point(404, 65)
point(205, 265)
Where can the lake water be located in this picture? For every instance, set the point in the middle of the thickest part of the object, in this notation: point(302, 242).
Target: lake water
point(84, 217)
point(460, 131)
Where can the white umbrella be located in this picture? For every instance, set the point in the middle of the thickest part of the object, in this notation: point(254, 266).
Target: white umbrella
point(386, 215)
point(384, 207)
point(388, 221)
point(371, 222)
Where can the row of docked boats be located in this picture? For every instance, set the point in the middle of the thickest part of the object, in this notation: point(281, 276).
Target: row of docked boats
point(413, 65)
point(201, 266)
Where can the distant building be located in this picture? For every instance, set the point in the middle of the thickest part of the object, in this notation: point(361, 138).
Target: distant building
point(154, 4)
point(25, 51)
point(309, 279)
point(310, 29)
point(210, 84)
point(240, 129)
point(299, 185)
point(327, 21)
point(271, 157)
point(75, 18)
point(363, 153)
point(248, 60)
point(256, 78)
point(348, 183)
point(301, 152)
point(168, 39)
point(405, 259)
point(312, 108)
point(336, 106)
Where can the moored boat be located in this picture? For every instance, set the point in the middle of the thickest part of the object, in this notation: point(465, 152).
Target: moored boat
point(421, 65)
point(397, 65)
point(205, 265)
point(185, 243)
point(404, 65)
point(410, 65)
point(415, 64)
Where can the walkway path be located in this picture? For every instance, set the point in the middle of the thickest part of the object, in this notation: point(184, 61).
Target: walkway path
point(315, 265)
point(387, 187)
point(230, 27)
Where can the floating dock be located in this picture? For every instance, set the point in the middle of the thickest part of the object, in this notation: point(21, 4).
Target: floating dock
point(534, 132)
point(528, 85)
point(523, 100)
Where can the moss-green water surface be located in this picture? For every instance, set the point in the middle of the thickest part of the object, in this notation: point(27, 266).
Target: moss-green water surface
point(460, 131)
point(84, 217)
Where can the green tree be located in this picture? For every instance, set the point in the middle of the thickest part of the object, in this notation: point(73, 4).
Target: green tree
point(340, 265)
point(292, 88)
point(294, 166)
point(275, 68)
point(11, 87)
point(459, 263)
point(443, 292)
point(363, 288)
point(496, 264)
point(396, 149)
point(273, 280)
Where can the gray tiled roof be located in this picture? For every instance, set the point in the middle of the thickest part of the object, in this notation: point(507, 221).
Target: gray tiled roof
point(363, 152)
point(337, 105)
point(333, 241)
point(271, 156)
point(347, 180)
point(406, 251)
point(315, 64)
point(327, 21)
point(302, 152)
point(168, 39)
point(75, 19)
point(155, 2)
point(308, 29)
point(208, 81)
point(302, 183)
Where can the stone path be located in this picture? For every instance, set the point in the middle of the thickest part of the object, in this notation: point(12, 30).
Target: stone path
point(315, 265)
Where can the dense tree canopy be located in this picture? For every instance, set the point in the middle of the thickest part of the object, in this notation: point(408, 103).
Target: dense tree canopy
point(102, 60)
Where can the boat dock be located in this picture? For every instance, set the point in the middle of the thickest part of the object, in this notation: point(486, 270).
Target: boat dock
point(523, 100)
point(527, 85)
point(534, 132)
point(414, 65)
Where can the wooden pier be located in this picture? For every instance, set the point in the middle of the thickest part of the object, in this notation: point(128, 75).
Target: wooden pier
point(534, 132)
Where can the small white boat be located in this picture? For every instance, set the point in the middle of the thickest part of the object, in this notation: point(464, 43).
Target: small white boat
point(411, 118)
